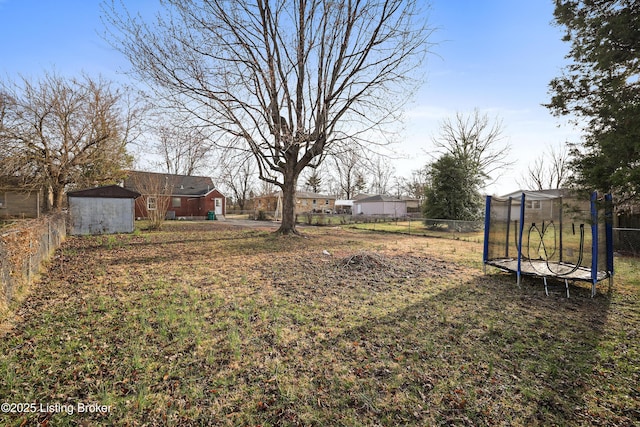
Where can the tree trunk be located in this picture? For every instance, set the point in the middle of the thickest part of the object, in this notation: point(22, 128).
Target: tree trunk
point(57, 194)
point(288, 224)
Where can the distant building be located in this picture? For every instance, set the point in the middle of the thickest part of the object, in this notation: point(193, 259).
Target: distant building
point(19, 201)
point(380, 205)
point(304, 202)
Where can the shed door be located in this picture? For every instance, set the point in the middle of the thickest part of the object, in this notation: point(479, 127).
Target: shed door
point(218, 206)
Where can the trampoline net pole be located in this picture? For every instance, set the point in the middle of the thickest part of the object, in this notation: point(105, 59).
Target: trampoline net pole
point(519, 268)
point(594, 243)
point(487, 224)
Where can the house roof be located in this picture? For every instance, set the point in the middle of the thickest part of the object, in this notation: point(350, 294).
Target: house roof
point(107, 191)
point(178, 185)
point(379, 198)
point(539, 194)
point(361, 196)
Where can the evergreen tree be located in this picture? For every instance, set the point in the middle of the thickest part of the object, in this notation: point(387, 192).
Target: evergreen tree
point(313, 182)
point(454, 191)
point(601, 88)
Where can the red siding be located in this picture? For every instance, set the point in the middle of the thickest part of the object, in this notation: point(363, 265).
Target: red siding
point(190, 206)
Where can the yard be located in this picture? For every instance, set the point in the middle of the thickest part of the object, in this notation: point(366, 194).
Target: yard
point(208, 324)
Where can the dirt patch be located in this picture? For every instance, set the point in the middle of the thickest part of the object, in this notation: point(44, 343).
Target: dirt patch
point(323, 278)
point(399, 266)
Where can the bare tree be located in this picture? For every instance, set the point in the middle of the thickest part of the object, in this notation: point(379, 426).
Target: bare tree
point(184, 149)
point(381, 173)
point(156, 190)
point(549, 171)
point(285, 80)
point(237, 173)
point(416, 185)
point(349, 171)
point(476, 141)
point(65, 132)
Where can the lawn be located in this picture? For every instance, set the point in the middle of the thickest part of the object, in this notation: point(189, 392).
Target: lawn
point(417, 227)
point(207, 324)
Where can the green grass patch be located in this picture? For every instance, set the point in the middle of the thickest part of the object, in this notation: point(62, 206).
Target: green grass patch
point(203, 324)
point(419, 229)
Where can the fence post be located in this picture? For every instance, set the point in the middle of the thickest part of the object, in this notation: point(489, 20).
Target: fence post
point(30, 262)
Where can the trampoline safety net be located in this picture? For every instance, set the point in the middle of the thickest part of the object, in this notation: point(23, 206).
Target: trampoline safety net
point(548, 236)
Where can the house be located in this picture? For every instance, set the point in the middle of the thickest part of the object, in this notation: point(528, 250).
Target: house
point(101, 210)
point(380, 205)
point(540, 203)
point(17, 201)
point(345, 206)
point(304, 202)
point(180, 196)
point(414, 206)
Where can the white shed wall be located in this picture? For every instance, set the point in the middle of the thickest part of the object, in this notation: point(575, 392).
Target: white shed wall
point(393, 209)
point(89, 215)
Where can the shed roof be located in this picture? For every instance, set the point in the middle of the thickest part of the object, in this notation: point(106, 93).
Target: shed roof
point(379, 198)
point(107, 191)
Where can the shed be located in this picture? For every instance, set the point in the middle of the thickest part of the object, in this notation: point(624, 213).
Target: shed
point(380, 205)
point(102, 210)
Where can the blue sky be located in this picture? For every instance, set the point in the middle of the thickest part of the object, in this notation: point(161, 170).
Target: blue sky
point(494, 55)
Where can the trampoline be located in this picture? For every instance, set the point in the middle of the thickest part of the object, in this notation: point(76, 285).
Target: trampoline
point(547, 235)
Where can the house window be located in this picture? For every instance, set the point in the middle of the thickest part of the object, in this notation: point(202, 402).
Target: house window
point(314, 202)
point(532, 204)
point(326, 202)
point(176, 202)
point(152, 203)
point(218, 203)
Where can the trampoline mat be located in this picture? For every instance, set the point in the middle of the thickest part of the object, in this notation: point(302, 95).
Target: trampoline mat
point(543, 269)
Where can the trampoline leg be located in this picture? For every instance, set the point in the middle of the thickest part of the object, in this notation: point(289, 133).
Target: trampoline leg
point(566, 284)
point(546, 291)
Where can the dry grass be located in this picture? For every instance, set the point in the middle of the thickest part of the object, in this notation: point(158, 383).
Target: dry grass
point(203, 324)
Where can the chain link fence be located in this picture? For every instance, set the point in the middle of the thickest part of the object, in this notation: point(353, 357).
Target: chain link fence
point(627, 241)
point(24, 246)
point(417, 225)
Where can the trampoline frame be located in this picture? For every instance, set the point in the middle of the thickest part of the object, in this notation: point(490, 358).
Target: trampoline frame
point(563, 271)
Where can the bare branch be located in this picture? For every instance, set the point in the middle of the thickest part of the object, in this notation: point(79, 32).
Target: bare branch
point(286, 80)
point(62, 133)
point(475, 139)
point(549, 171)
